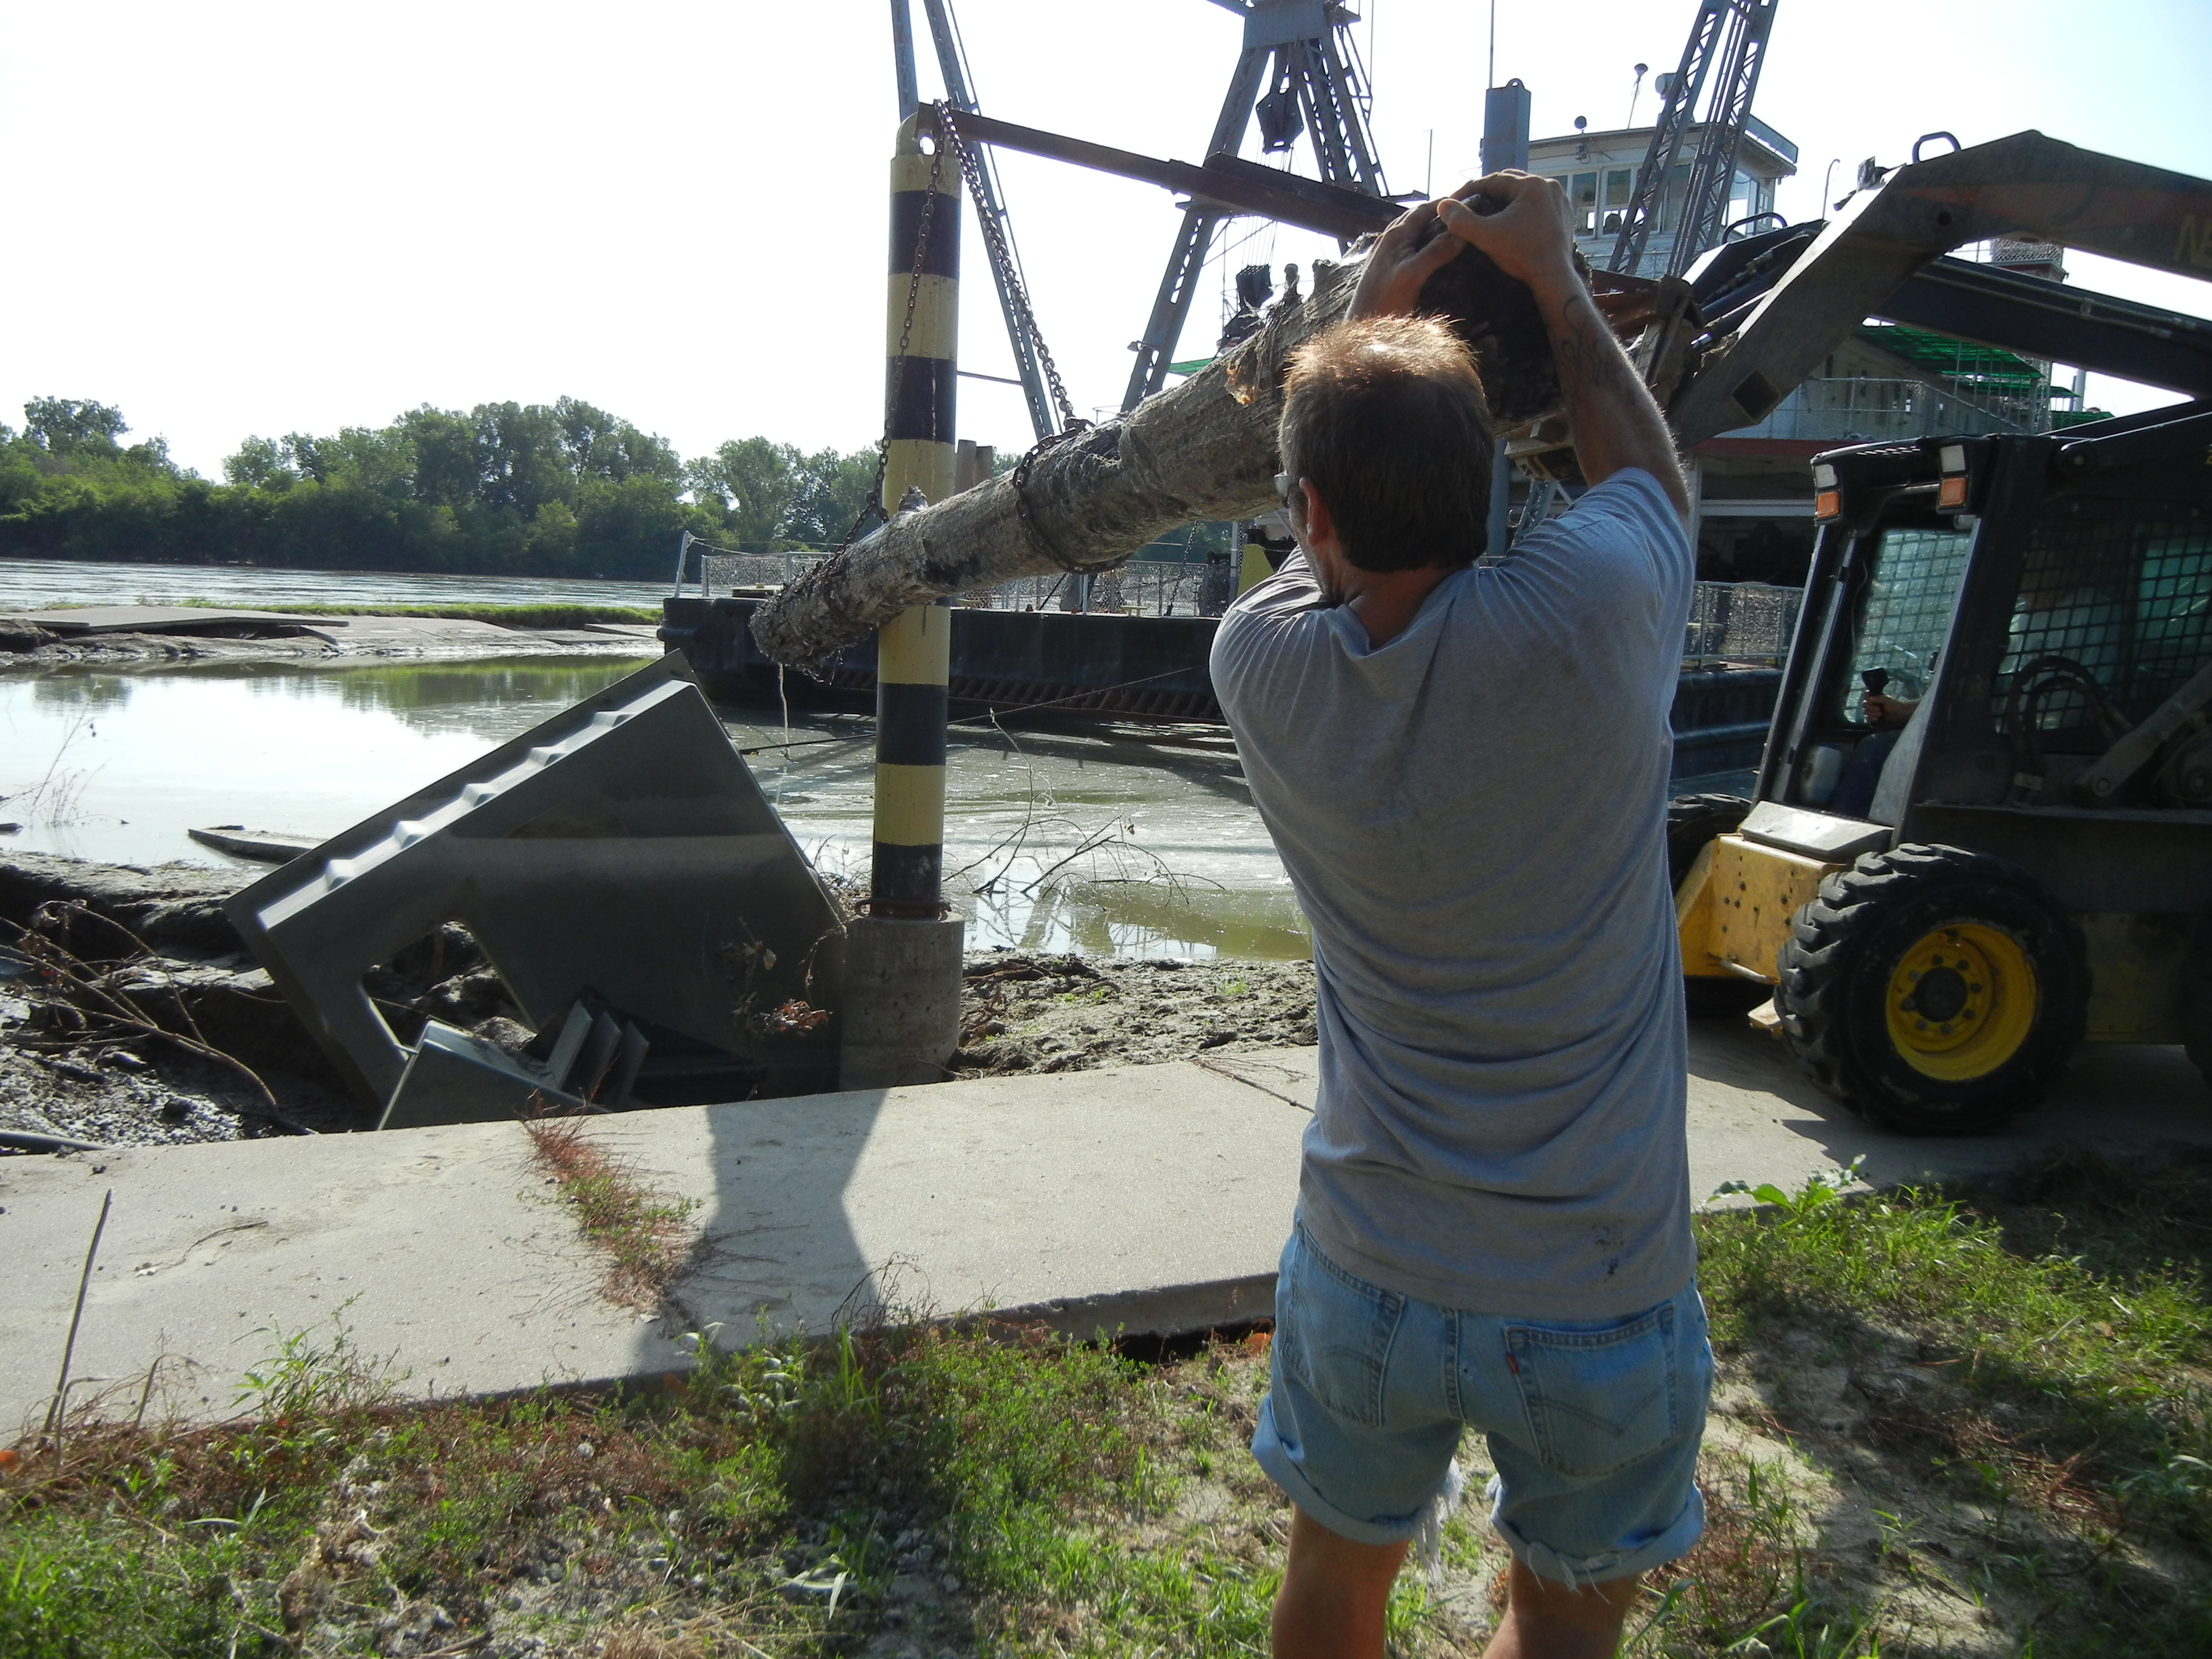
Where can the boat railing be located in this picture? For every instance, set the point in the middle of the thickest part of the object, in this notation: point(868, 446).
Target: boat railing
point(1741, 622)
point(1729, 622)
point(1143, 587)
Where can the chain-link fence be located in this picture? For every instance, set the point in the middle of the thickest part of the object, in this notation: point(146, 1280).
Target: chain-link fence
point(723, 574)
point(1741, 622)
point(1145, 587)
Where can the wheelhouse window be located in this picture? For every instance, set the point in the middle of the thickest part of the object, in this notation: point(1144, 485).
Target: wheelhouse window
point(1599, 198)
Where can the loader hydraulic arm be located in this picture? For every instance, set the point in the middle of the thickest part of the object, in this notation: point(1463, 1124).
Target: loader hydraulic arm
point(1881, 259)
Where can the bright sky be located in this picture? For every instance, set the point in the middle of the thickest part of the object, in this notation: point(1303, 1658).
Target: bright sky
point(232, 218)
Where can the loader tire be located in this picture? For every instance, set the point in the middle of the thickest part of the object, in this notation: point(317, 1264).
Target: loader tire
point(2197, 1000)
point(1935, 990)
point(1691, 821)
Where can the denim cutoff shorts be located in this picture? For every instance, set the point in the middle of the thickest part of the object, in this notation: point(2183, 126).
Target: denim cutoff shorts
point(1593, 1424)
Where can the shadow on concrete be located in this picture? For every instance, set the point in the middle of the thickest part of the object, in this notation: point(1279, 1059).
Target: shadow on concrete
point(2115, 1097)
point(778, 1252)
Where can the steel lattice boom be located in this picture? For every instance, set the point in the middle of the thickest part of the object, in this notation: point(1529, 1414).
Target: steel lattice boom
point(1298, 73)
point(1730, 35)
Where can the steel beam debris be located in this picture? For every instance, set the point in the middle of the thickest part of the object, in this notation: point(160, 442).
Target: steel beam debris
point(620, 850)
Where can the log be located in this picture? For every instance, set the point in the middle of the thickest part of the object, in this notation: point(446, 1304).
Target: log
point(1205, 449)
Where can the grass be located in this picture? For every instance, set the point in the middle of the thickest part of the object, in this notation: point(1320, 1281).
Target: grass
point(1962, 1420)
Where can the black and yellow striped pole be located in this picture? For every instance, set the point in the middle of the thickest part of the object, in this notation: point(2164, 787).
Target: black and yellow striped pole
point(912, 650)
point(903, 958)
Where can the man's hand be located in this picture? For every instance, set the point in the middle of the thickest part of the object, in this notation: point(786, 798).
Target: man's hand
point(1530, 237)
point(1615, 424)
point(1403, 259)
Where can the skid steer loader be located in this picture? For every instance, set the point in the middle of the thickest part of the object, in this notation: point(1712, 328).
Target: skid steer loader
point(1982, 830)
point(1944, 909)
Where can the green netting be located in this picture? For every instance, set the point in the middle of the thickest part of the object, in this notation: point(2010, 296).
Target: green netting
point(1973, 368)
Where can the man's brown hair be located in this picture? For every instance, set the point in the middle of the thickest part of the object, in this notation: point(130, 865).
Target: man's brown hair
point(1387, 416)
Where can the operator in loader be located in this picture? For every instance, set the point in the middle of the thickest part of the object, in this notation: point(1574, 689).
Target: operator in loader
point(1465, 771)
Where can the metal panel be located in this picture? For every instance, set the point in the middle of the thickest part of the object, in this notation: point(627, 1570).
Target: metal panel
point(2058, 322)
point(1742, 897)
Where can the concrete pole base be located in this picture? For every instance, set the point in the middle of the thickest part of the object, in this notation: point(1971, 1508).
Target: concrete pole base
point(902, 1013)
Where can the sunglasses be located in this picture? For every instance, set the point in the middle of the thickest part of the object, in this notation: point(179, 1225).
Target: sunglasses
point(1285, 488)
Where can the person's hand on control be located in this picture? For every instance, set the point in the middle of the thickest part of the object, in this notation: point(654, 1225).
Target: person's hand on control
point(1877, 710)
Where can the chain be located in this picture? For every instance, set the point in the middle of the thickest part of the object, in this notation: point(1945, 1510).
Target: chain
point(875, 501)
point(971, 169)
point(995, 234)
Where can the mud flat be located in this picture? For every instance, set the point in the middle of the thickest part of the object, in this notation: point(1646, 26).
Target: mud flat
point(155, 636)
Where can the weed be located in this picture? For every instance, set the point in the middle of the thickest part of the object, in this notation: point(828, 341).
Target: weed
point(644, 1235)
point(1824, 1187)
point(58, 799)
point(302, 1378)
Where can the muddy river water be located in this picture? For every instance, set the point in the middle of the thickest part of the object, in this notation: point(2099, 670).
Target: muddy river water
point(1113, 844)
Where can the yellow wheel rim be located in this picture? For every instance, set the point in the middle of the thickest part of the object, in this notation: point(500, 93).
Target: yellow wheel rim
point(1961, 1001)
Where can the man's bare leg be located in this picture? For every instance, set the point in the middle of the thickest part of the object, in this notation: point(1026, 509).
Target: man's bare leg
point(1547, 1620)
point(1333, 1591)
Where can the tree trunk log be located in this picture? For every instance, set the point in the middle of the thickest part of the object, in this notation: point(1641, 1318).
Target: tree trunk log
point(1205, 449)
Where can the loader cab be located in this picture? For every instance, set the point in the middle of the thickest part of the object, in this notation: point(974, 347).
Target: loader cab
point(2031, 601)
point(2013, 854)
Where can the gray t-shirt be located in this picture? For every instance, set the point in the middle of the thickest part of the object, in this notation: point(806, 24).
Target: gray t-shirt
point(1473, 815)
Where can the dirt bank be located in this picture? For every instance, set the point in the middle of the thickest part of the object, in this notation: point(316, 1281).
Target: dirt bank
point(92, 1079)
point(1023, 1012)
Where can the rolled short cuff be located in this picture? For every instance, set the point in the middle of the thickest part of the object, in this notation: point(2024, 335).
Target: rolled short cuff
point(1679, 1537)
point(1274, 1457)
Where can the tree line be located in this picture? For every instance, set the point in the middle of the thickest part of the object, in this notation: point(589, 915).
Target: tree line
point(536, 489)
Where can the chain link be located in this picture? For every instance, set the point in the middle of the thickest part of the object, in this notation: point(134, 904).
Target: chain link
point(875, 501)
point(971, 169)
point(995, 234)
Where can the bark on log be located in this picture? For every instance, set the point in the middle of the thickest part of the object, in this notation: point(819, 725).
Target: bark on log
point(1205, 449)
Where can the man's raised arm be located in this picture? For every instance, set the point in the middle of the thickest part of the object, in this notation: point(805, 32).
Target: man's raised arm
point(1615, 422)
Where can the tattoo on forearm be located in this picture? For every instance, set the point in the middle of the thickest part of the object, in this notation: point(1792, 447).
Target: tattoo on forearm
point(1591, 362)
point(1616, 421)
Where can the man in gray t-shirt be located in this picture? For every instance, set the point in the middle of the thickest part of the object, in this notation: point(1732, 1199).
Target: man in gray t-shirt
point(1465, 771)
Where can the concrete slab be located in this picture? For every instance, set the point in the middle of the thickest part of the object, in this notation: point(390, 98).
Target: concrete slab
point(1755, 1117)
point(351, 635)
point(421, 635)
point(1154, 1198)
